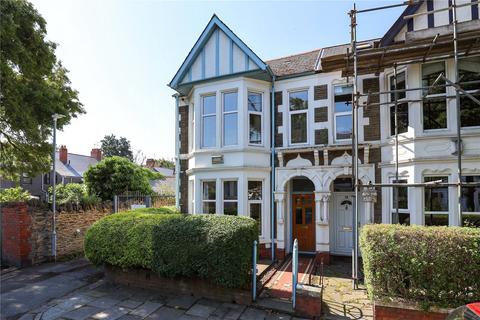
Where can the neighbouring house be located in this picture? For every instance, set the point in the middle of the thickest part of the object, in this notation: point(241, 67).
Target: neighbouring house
point(225, 127)
point(70, 168)
point(164, 186)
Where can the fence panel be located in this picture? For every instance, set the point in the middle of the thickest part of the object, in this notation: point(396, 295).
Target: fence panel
point(135, 200)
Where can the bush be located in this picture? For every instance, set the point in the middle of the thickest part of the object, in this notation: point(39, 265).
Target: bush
point(14, 195)
point(117, 175)
point(69, 193)
point(429, 265)
point(213, 247)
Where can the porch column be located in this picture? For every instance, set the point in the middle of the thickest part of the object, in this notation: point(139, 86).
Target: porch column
point(369, 196)
point(321, 206)
point(280, 201)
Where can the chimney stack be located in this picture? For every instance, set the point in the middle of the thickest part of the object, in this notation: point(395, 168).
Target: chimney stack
point(63, 154)
point(150, 163)
point(96, 153)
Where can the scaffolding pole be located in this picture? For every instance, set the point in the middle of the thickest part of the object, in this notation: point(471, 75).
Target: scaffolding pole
point(395, 87)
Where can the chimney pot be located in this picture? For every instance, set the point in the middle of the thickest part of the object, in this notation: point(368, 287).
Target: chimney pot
point(96, 153)
point(63, 154)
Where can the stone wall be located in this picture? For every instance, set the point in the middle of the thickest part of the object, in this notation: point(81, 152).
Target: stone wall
point(27, 230)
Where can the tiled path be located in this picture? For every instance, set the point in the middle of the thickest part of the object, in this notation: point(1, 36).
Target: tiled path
point(77, 291)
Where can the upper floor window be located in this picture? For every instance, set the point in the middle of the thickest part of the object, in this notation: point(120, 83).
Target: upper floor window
point(255, 117)
point(343, 112)
point(434, 102)
point(230, 119)
point(402, 108)
point(469, 70)
point(298, 116)
point(209, 121)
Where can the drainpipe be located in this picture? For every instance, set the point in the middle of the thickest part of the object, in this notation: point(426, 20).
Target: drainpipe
point(272, 164)
point(177, 155)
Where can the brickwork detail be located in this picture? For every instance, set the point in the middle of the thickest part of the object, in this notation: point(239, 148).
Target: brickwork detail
point(320, 92)
point(183, 201)
point(321, 136)
point(183, 124)
point(321, 114)
point(391, 313)
point(278, 100)
point(372, 131)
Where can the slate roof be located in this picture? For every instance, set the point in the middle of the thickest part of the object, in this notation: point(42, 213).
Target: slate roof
point(294, 64)
point(164, 171)
point(76, 165)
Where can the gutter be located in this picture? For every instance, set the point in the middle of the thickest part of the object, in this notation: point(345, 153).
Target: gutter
point(177, 155)
point(272, 163)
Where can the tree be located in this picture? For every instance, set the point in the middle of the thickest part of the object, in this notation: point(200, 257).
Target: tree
point(116, 175)
point(165, 163)
point(113, 146)
point(34, 87)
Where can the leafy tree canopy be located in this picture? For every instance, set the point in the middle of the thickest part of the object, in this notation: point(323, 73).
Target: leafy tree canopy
point(165, 163)
point(116, 175)
point(34, 87)
point(113, 146)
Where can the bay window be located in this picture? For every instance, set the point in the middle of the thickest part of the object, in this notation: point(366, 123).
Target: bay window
point(469, 70)
point(402, 108)
point(471, 202)
point(230, 197)
point(298, 116)
point(209, 197)
point(343, 112)
point(436, 202)
point(403, 216)
point(208, 121)
point(230, 119)
point(255, 204)
point(434, 101)
point(255, 118)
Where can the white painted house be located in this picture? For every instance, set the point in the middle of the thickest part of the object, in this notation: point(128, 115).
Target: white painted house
point(227, 163)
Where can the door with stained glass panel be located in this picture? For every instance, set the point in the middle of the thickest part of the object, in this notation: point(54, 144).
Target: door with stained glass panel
point(303, 206)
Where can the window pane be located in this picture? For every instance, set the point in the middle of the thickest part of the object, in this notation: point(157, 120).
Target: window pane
point(230, 208)
point(254, 190)
point(436, 198)
point(343, 106)
point(344, 126)
point(298, 216)
point(308, 215)
point(209, 207)
point(344, 90)
point(469, 70)
point(402, 196)
point(256, 214)
point(471, 220)
point(254, 102)
point(402, 218)
point(209, 105)
point(471, 195)
point(400, 86)
point(469, 111)
point(430, 73)
point(436, 219)
point(209, 190)
point(230, 190)
point(209, 131)
point(230, 131)
point(298, 100)
point(299, 128)
point(434, 113)
point(255, 128)
point(230, 101)
point(402, 116)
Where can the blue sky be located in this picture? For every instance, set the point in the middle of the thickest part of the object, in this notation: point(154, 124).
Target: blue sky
point(121, 54)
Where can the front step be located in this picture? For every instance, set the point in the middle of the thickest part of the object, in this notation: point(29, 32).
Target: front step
point(280, 305)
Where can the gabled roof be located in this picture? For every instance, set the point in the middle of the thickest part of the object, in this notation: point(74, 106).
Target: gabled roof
point(294, 64)
point(389, 37)
point(212, 25)
point(76, 165)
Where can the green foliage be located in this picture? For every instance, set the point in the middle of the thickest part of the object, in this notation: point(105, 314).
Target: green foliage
point(213, 247)
point(113, 146)
point(69, 193)
point(165, 163)
point(427, 265)
point(117, 175)
point(14, 195)
point(161, 210)
point(34, 86)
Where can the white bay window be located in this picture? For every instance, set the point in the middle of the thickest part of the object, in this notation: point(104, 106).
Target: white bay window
point(209, 131)
point(230, 119)
point(255, 109)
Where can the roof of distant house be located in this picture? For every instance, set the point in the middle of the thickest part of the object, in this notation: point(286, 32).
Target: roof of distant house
point(76, 165)
point(164, 171)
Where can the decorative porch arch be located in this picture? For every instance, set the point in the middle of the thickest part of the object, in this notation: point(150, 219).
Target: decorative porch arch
point(285, 175)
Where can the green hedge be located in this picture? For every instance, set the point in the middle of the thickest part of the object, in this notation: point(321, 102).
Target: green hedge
point(214, 247)
point(428, 265)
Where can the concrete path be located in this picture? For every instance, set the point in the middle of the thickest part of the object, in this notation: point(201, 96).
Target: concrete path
point(77, 291)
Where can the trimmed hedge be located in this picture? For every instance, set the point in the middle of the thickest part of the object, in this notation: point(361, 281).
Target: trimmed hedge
point(214, 247)
point(428, 265)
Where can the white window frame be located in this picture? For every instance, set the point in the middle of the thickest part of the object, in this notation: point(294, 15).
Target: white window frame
point(471, 92)
point(260, 113)
point(433, 96)
point(399, 101)
point(191, 195)
point(290, 113)
point(343, 113)
point(392, 203)
point(202, 194)
point(229, 200)
point(470, 175)
point(224, 113)
point(203, 116)
point(257, 202)
point(425, 212)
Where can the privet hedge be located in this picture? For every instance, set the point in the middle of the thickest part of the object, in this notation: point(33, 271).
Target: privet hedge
point(214, 247)
point(428, 265)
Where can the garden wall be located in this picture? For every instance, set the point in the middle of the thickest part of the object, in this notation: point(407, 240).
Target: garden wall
point(26, 232)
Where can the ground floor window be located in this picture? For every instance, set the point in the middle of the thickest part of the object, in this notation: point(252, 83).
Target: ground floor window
point(209, 196)
point(402, 117)
point(255, 204)
point(403, 216)
point(471, 202)
point(436, 202)
point(230, 198)
point(191, 196)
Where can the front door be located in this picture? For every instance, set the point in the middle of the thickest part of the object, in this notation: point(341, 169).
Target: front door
point(303, 206)
point(342, 223)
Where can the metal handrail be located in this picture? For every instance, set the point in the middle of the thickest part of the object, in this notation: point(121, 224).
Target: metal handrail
point(294, 272)
point(254, 272)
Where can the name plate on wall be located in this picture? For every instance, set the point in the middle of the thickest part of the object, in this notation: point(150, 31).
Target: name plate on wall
point(217, 159)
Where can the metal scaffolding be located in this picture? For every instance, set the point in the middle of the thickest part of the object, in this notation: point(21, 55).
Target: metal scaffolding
point(352, 60)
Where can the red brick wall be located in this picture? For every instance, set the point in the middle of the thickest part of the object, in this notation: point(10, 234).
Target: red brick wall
point(266, 253)
point(15, 233)
point(392, 313)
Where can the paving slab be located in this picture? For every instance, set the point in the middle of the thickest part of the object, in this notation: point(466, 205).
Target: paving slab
point(104, 302)
point(253, 314)
point(278, 316)
point(111, 313)
point(53, 313)
point(190, 317)
point(200, 310)
point(131, 304)
point(130, 317)
point(181, 302)
point(166, 313)
point(227, 311)
point(146, 309)
point(81, 313)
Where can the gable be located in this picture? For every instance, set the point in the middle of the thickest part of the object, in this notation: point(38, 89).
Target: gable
point(218, 52)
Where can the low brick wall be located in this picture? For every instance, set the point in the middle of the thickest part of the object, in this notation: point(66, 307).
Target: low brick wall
point(400, 311)
point(27, 229)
